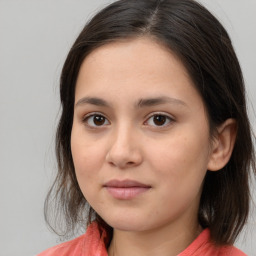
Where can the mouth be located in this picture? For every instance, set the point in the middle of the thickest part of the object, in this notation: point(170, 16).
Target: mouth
point(126, 189)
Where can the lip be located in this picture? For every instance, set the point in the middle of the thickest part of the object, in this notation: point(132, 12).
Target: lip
point(126, 189)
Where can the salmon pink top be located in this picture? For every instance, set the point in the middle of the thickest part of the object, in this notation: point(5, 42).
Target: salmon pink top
point(92, 244)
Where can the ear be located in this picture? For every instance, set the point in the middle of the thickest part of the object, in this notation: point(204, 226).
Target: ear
point(222, 145)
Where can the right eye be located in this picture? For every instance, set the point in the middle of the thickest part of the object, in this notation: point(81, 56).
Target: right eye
point(96, 120)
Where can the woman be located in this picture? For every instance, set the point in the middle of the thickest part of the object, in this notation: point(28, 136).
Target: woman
point(152, 133)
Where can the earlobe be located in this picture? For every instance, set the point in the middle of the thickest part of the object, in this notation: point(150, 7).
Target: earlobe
point(223, 145)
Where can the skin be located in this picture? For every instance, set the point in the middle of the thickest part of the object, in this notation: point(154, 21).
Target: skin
point(171, 157)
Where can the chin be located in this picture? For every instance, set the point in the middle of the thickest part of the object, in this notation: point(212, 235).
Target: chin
point(126, 223)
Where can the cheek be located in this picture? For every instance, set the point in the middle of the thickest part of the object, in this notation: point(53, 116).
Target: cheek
point(182, 160)
point(86, 157)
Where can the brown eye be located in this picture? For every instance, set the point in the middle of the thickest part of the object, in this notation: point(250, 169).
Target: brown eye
point(99, 120)
point(159, 120)
point(96, 120)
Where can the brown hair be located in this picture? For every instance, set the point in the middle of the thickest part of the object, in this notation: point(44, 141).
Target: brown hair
point(203, 45)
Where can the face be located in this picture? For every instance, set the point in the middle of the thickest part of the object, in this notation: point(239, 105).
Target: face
point(140, 138)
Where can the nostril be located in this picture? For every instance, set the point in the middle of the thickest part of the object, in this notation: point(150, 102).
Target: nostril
point(123, 157)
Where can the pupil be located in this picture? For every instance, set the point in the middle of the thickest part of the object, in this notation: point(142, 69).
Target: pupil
point(99, 120)
point(159, 120)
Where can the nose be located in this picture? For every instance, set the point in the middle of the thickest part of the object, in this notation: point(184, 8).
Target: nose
point(124, 151)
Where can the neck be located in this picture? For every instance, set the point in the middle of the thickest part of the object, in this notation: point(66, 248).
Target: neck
point(164, 241)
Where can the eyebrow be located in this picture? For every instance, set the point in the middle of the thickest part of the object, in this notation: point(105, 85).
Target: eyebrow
point(93, 101)
point(158, 101)
point(147, 102)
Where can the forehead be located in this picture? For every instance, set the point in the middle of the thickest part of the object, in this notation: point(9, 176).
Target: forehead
point(144, 53)
point(139, 58)
point(134, 68)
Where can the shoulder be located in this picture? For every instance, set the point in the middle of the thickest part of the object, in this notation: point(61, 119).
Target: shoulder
point(89, 244)
point(203, 246)
point(70, 248)
point(231, 251)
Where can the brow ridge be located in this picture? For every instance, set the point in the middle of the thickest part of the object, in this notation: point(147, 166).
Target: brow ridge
point(144, 102)
point(147, 102)
point(93, 101)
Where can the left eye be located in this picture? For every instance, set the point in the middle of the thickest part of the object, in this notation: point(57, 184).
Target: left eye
point(96, 120)
point(159, 120)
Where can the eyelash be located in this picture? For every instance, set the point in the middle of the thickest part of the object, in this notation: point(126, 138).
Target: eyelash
point(167, 118)
point(86, 119)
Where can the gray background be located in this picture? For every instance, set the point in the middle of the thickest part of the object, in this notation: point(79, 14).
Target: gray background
point(35, 37)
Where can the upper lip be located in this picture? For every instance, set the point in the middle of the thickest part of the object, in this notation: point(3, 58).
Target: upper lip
point(125, 184)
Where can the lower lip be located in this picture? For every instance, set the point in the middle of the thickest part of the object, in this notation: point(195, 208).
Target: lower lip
point(126, 193)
